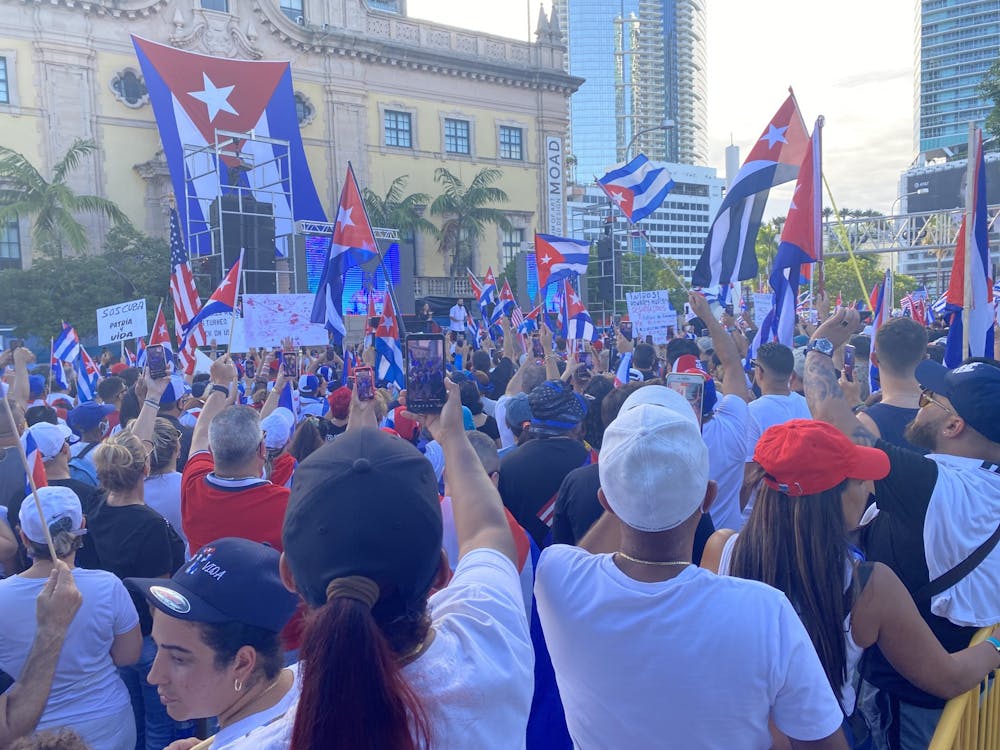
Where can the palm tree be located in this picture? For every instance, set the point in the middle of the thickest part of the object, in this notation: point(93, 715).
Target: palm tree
point(466, 212)
point(405, 214)
point(24, 191)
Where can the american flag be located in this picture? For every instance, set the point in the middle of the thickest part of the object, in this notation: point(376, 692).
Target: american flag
point(182, 288)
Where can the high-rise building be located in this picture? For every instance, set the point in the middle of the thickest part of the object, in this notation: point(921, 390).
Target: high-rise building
point(957, 41)
point(645, 66)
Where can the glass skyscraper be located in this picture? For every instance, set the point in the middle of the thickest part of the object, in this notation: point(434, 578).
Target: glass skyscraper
point(957, 41)
point(644, 62)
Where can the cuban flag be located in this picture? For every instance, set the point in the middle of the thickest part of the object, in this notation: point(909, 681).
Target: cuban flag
point(67, 344)
point(981, 312)
point(193, 96)
point(370, 313)
point(388, 351)
point(35, 462)
point(801, 242)
point(353, 243)
point(127, 357)
point(58, 373)
point(289, 399)
point(350, 362)
point(87, 375)
point(505, 304)
point(472, 327)
point(558, 258)
point(576, 322)
point(140, 353)
point(160, 335)
point(622, 373)
point(774, 160)
point(488, 293)
point(530, 323)
point(637, 188)
point(223, 299)
point(880, 303)
point(477, 287)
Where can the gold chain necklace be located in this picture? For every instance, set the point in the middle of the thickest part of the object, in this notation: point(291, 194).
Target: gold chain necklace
point(652, 562)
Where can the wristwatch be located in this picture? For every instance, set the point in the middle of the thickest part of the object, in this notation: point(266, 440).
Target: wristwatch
point(821, 345)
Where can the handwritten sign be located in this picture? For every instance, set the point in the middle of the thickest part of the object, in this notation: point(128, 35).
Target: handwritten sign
point(217, 329)
point(126, 320)
point(651, 315)
point(761, 307)
point(269, 318)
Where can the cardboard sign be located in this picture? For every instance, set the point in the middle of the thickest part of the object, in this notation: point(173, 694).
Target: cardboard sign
point(269, 318)
point(217, 328)
point(121, 322)
point(651, 315)
point(761, 307)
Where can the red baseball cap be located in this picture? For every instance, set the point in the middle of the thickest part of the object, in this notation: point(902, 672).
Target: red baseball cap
point(687, 362)
point(806, 457)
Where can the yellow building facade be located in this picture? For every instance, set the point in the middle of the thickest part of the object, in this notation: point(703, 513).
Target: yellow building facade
point(392, 95)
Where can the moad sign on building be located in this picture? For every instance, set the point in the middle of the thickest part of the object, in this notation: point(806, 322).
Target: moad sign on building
point(555, 183)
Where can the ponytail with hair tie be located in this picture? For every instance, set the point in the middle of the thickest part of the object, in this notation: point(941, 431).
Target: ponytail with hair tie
point(359, 588)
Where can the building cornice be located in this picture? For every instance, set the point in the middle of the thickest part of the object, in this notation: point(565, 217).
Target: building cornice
point(406, 43)
point(129, 9)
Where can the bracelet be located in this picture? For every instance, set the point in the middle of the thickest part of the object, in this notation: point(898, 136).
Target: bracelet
point(994, 643)
point(216, 388)
point(151, 402)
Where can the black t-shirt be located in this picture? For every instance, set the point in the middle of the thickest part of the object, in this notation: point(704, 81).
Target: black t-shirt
point(12, 481)
point(577, 509)
point(530, 477)
point(91, 498)
point(134, 541)
point(499, 378)
point(896, 538)
point(489, 428)
point(891, 422)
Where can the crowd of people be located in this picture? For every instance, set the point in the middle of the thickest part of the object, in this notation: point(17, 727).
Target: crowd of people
point(566, 555)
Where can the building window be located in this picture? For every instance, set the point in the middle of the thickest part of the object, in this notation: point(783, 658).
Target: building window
point(456, 136)
point(4, 85)
point(511, 143)
point(398, 129)
point(220, 5)
point(511, 244)
point(10, 244)
point(293, 9)
point(305, 112)
point(129, 88)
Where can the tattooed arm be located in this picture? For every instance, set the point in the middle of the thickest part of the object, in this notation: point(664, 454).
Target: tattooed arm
point(823, 392)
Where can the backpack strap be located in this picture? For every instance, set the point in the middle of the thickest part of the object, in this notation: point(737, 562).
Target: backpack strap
point(960, 571)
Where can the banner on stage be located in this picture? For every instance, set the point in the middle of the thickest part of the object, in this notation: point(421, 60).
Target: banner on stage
point(269, 318)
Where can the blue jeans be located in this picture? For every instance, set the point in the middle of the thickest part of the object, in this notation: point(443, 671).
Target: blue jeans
point(154, 729)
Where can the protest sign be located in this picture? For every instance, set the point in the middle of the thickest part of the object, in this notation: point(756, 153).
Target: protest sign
point(269, 318)
point(651, 314)
point(761, 307)
point(120, 322)
point(217, 329)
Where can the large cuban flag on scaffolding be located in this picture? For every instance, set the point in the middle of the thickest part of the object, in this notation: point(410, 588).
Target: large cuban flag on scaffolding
point(195, 95)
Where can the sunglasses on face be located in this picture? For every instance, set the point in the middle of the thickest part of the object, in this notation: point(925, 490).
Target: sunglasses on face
point(927, 398)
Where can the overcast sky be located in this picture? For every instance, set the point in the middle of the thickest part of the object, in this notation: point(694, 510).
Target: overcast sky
point(850, 61)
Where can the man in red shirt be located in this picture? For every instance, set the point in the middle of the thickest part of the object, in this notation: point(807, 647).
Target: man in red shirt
point(222, 489)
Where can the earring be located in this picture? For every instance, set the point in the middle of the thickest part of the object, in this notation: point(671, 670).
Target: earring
point(237, 685)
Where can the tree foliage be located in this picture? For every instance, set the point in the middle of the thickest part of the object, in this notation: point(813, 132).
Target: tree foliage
point(52, 203)
point(465, 212)
point(842, 279)
point(989, 88)
point(398, 211)
point(36, 300)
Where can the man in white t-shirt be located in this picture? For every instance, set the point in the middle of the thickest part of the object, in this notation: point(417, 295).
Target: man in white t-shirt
point(457, 316)
point(650, 651)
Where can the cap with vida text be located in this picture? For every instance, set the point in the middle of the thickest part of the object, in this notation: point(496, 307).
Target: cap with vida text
point(228, 580)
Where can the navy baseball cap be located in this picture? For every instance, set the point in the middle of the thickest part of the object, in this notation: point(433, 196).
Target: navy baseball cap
point(228, 580)
point(973, 390)
point(87, 416)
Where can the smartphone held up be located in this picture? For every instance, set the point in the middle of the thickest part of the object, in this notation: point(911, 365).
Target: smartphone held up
point(425, 372)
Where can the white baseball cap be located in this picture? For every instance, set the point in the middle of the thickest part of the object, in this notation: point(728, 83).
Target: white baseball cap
point(50, 438)
point(276, 428)
point(654, 463)
point(60, 506)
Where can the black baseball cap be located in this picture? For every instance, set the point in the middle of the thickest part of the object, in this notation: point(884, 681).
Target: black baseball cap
point(228, 580)
point(973, 390)
point(366, 504)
